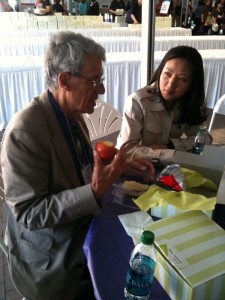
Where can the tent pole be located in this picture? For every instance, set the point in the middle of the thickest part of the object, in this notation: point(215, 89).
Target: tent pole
point(147, 40)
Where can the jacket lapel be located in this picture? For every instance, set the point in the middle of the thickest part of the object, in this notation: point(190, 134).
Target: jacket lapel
point(58, 140)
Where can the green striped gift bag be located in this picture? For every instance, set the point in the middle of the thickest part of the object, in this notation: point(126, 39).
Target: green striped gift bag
point(191, 256)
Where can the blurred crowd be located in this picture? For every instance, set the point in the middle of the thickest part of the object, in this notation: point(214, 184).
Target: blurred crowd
point(209, 18)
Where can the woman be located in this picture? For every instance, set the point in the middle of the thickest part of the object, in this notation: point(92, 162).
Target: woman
point(83, 7)
point(93, 8)
point(217, 18)
point(172, 105)
point(175, 13)
point(43, 7)
point(206, 16)
point(114, 5)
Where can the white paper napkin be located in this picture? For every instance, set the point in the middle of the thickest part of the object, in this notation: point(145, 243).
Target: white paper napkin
point(134, 224)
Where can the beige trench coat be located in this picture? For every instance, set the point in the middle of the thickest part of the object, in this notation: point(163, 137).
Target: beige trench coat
point(146, 122)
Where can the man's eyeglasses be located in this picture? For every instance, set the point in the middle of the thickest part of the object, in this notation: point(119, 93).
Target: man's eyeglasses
point(95, 82)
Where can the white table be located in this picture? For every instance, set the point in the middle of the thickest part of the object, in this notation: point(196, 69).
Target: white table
point(21, 78)
point(163, 43)
point(98, 32)
point(25, 80)
point(173, 31)
point(37, 46)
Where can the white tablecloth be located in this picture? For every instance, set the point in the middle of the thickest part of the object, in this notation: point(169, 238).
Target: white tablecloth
point(37, 46)
point(20, 83)
point(173, 31)
point(163, 43)
point(21, 78)
point(114, 31)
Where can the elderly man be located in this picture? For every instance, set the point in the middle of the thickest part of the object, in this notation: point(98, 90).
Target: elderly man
point(53, 183)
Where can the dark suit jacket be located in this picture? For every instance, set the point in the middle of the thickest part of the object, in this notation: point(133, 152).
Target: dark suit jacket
point(49, 212)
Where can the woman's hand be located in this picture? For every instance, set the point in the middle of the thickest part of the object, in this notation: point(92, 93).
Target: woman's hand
point(158, 146)
point(105, 175)
point(140, 167)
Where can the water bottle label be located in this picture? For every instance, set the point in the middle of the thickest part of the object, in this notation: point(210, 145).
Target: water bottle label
point(140, 276)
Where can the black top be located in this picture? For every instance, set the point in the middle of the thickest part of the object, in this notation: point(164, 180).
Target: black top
point(136, 10)
point(57, 7)
point(93, 8)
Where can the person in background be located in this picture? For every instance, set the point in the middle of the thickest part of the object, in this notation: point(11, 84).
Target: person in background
point(196, 17)
point(206, 12)
point(176, 13)
point(43, 7)
point(53, 182)
point(165, 115)
point(5, 6)
point(217, 17)
point(136, 12)
point(57, 7)
point(93, 8)
point(128, 8)
point(114, 5)
point(83, 7)
point(65, 6)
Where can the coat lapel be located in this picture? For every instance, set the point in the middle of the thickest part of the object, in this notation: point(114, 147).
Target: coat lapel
point(58, 140)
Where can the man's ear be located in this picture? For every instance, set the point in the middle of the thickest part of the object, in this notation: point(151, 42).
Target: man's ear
point(64, 81)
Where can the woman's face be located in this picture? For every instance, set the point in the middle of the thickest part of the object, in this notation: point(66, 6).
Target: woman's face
point(175, 79)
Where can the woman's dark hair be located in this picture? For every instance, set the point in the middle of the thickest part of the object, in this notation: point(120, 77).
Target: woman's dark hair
point(216, 3)
point(193, 107)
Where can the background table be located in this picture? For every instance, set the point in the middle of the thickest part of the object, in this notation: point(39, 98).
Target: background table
point(100, 32)
point(164, 43)
point(37, 46)
point(22, 78)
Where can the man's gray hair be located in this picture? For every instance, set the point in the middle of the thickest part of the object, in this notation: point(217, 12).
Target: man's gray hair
point(66, 53)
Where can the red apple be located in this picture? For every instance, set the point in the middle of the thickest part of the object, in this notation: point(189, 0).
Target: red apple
point(105, 149)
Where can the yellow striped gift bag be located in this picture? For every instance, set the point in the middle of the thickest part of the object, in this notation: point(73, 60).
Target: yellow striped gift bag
point(191, 256)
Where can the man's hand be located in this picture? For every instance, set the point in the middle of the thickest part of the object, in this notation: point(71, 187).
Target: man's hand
point(105, 175)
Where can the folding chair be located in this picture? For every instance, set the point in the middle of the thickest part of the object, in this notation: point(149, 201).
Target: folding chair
point(103, 121)
point(218, 109)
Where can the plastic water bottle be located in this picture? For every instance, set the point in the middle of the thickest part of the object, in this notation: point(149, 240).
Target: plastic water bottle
point(141, 269)
point(202, 138)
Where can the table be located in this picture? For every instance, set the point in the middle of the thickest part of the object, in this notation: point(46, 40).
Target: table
point(37, 46)
point(22, 78)
point(100, 32)
point(163, 43)
point(173, 31)
point(108, 247)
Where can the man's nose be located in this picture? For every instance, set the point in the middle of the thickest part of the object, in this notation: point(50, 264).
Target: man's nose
point(101, 89)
